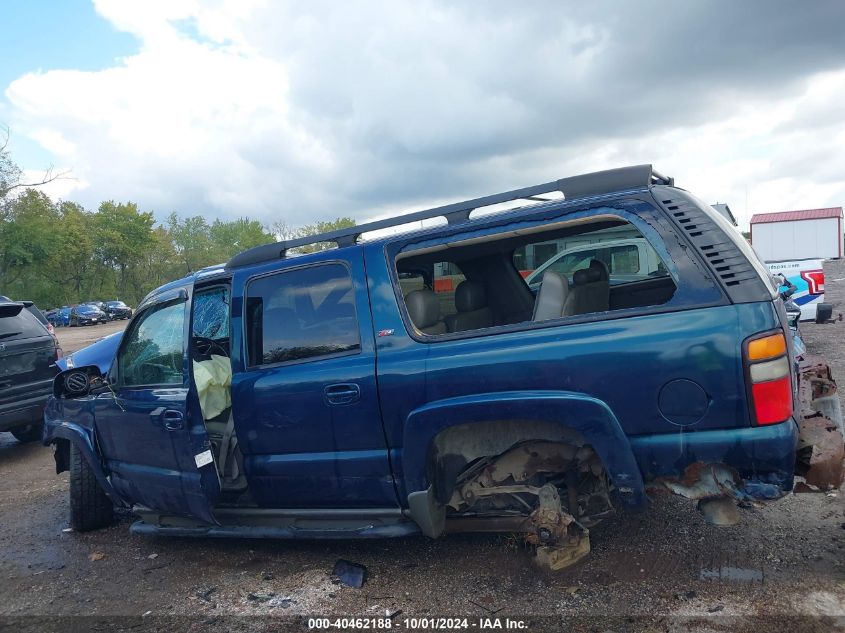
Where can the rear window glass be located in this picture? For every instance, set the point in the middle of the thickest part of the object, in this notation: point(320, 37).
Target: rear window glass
point(301, 314)
point(21, 325)
point(37, 314)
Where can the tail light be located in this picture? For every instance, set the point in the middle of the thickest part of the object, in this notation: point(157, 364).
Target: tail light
point(59, 352)
point(770, 379)
point(815, 281)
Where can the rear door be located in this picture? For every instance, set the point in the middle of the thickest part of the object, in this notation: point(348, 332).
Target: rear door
point(304, 393)
point(154, 444)
point(27, 360)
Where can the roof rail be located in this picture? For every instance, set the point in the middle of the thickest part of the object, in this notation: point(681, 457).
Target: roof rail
point(596, 183)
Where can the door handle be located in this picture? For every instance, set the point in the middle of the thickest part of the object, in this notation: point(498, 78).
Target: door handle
point(342, 393)
point(172, 419)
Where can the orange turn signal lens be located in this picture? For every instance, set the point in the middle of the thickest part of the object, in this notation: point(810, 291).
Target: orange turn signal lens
point(767, 347)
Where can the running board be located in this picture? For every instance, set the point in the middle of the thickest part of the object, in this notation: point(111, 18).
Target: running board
point(281, 524)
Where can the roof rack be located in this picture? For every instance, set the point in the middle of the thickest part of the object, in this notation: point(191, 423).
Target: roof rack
point(596, 183)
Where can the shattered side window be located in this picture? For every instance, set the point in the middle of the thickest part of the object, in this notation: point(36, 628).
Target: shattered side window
point(211, 313)
point(153, 352)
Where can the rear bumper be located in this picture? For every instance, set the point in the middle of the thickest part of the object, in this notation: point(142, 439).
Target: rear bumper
point(23, 412)
point(763, 456)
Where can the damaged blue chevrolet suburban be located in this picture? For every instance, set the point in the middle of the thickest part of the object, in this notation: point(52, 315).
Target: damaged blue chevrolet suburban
point(415, 382)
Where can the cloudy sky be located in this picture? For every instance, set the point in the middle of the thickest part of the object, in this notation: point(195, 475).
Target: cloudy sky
point(313, 110)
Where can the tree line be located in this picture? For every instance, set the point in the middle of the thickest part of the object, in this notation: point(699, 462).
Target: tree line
point(58, 253)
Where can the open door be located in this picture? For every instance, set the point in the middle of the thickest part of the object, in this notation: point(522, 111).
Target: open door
point(154, 444)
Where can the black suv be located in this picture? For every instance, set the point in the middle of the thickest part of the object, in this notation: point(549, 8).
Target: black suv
point(28, 355)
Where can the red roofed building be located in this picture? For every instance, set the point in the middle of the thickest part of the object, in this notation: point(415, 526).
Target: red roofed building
point(806, 234)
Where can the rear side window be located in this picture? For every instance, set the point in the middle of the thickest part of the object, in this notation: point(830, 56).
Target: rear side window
point(442, 277)
point(624, 252)
point(17, 322)
point(301, 314)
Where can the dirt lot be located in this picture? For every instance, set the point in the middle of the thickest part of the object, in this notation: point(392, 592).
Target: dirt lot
point(647, 572)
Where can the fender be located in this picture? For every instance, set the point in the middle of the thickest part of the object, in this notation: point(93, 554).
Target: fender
point(83, 438)
point(590, 417)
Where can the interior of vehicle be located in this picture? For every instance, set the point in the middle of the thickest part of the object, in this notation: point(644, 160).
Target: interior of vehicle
point(212, 371)
point(585, 266)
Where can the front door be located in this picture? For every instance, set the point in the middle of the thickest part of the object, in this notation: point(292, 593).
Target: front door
point(155, 445)
point(304, 394)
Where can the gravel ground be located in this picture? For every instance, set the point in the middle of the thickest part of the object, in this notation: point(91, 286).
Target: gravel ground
point(647, 572)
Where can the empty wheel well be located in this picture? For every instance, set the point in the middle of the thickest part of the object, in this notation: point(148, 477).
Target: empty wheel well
point(61, 455)
point(497, 467)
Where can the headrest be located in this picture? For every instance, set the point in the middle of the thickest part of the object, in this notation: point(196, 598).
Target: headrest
point(423, 307)
point(470, 295)
point(596, 264)
point(550, 297)
point(586, 276)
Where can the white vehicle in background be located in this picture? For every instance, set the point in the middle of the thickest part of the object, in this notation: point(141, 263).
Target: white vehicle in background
point(626, 260)
point(808, 276)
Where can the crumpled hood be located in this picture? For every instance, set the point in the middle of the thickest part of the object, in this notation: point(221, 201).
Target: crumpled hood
point(99, 354)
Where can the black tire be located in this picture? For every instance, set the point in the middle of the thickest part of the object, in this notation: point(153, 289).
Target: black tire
point(90, 508)
point(28, 433)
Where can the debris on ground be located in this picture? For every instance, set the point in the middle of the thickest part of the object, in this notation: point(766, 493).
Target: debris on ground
point(204, 594)
point(260, 597)
point(719, 511)
point(349, 574)
point(281, 601)
point(96, 556)
point(821, 435)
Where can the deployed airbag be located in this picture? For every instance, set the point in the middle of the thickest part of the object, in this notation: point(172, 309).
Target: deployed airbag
point(214, 380)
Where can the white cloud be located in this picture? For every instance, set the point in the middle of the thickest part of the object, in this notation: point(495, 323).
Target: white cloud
point(305, 112)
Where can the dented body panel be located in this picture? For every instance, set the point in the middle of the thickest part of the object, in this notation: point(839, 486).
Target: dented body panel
point(471, 429)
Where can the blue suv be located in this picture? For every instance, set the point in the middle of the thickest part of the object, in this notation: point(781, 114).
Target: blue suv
point(415, 382)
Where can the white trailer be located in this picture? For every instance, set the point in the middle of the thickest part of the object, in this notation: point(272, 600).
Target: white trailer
point(790, 235)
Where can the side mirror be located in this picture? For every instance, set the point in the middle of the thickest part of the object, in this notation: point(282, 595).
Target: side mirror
point(77, 382)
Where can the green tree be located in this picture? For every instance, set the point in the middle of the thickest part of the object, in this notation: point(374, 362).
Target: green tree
point(192, 241)
point(229, 238)
point(283, 232)
point(71, 261)
point(27, 235)
point(123, 236)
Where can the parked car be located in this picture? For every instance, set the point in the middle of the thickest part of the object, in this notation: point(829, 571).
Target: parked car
point(807, 275)
point(100, 305)
point(62, 317)
point(117, 310)
point(28, 354)
point(329, 394)
point(626, 260)
point(33, 309)
point(86, 314)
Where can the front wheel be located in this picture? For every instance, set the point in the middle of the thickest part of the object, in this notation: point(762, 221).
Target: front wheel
point(28, 433)
point(90, 508)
